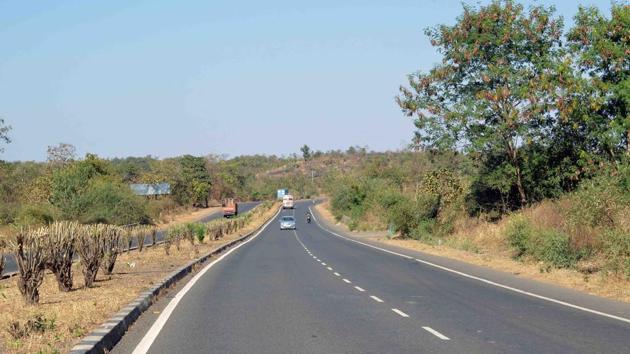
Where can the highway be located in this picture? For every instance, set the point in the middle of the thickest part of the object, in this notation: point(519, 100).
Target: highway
point(316, 291)
point(11, 265)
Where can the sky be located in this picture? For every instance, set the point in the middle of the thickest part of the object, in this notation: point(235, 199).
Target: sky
point(164, 78)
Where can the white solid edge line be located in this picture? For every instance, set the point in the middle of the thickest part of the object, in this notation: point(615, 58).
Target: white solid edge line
point(436, 333)
point(400, 313)
point(490, 282)
point(157, 326)
point(376, 298)
point(359, 288)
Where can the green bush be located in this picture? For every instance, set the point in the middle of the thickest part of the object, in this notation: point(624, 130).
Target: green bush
point(36, 214)
point(600, 202)
point(616, 249)
point(106, 200)
point(200, 232)
point(519, 233)
point(554, 248)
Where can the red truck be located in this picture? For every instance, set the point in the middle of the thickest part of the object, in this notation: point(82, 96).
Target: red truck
point(230, 207)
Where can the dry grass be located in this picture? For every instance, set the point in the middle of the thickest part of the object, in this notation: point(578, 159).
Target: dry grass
point(188, 216)
point(484, 243)
point(77, 312)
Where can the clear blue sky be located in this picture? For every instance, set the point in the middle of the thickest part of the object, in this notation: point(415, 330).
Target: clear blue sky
point(132, 78)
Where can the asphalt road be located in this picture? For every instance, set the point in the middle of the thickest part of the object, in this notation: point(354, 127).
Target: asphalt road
point(310, 291)
point(11, 266)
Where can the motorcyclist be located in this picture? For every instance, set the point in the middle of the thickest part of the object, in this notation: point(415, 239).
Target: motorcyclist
point(308, 217)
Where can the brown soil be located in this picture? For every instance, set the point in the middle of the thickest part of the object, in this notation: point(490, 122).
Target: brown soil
point(77, 312)
point(494, 254)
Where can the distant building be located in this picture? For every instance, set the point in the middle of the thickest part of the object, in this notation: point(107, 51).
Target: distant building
point(151, 190)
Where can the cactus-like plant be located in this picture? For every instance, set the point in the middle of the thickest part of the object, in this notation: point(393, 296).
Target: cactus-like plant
point(189, 232)
point(128, 238)
point(91, 247)
point(141, 233)
point(2, 251)
point(153, 235)
point(112, 248)
point(30, 254)
point(171, 235)
point(60, 250)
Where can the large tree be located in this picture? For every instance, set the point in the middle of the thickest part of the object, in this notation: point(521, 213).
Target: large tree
point(196, 179)
point(602, 49)
point(493, 92)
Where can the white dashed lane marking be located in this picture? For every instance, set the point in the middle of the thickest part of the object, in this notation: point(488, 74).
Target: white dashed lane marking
point(400, 313)
point(436, 333)
point(375, 298)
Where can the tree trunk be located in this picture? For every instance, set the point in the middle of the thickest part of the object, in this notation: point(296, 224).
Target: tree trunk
point(64, 279)
point(89, 275)
point(519, 186)
point(29, 290)
point(513, 156)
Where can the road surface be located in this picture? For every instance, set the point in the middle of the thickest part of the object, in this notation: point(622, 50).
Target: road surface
point(11, 266)
point(312, 291)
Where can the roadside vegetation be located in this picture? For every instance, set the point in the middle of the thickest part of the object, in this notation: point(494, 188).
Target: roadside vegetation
point(522, 124)
point(66, 298)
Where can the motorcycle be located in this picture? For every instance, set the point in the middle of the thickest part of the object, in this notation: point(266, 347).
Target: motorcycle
point(308, 219)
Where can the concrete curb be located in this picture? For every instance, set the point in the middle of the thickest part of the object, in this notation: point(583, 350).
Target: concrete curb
point(105, 337)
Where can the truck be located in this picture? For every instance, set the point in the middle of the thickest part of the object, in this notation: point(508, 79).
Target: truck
point(287, 202)
point(230, 207)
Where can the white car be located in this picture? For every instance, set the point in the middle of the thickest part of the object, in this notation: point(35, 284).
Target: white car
point(287, 223)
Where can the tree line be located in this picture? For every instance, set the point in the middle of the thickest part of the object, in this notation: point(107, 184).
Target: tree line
point(539, 109)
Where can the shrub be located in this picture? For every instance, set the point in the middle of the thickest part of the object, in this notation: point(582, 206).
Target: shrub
point(112, 248)
point(153, 231)
point(38, 324)
point(141, 234)
point(36, 214)
point(600, 202)
point(616, 249)
point(189, 232)
point(31, 259)
point(519, 233)
point(553, 247)
point(200, 232)
point(91, 244)
point(106, 200)
point(2, 250)
point(60, 250)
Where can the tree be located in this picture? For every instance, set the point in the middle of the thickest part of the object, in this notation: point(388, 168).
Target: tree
point(306, 152)
point(61, 155)
point(493, 93)
point(602, 48)
point(196, 180)
point(4, 133)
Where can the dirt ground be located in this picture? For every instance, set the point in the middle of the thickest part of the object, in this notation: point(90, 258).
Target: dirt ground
point(595, 284)
point(66, 317)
